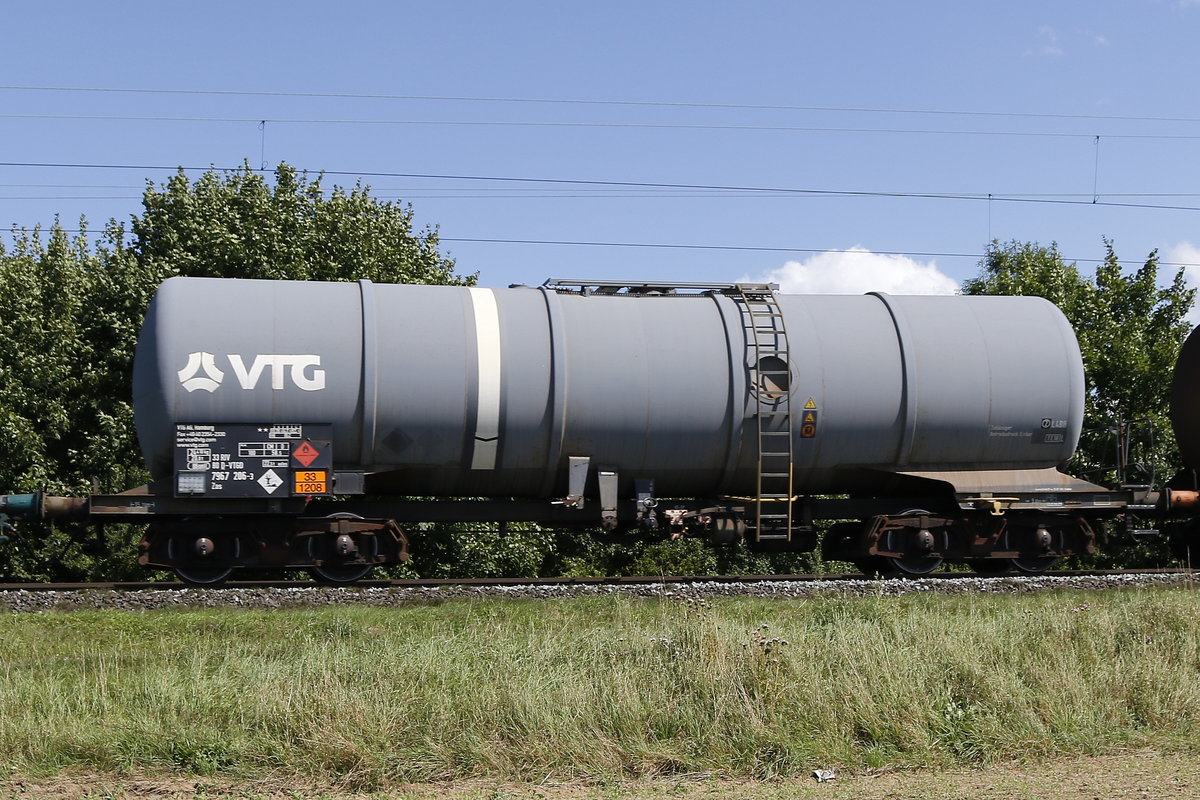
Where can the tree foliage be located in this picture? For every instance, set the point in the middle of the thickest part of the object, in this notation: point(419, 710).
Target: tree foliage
point(1130, 328)
point(71, 311)
point(236, 225)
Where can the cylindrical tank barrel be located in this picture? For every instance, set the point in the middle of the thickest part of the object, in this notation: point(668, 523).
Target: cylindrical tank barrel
point(1185, 400)
point(458, 391)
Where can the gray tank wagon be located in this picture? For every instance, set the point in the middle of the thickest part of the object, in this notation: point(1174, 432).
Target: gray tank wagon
point(287, 424)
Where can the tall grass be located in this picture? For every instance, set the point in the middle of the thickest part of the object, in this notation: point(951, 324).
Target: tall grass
point(600, 687)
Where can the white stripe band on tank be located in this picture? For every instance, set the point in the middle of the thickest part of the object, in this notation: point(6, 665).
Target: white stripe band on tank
point(487, 349)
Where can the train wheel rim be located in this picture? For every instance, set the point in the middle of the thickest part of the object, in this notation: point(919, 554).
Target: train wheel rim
point(340, 573)
point(1032, 566)
point(892, 567)
point(204, 575)
point(913, 565)
point(909, 564)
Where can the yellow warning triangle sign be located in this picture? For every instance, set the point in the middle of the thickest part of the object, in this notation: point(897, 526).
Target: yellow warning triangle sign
point(811, 403)
point(810, 417)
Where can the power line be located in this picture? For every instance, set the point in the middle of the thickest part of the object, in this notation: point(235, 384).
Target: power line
point(70, 197)
point(644, 185)
point(762, 249)
point(709, 247)
point(259, 121)
point(517, 193)
point(381, 191)
point(740, 248)
point(593, 102)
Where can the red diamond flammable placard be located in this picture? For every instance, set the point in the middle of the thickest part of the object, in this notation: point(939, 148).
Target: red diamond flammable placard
point(306, 454)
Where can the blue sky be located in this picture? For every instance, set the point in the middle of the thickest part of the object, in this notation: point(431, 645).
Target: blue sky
point(833, 146)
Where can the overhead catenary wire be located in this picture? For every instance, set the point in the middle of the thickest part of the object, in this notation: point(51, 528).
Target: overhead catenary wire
point(786, 190)
point(511, 187)
point(261, 123)
point(602, 102)
point(14, 231)
point(385, 192)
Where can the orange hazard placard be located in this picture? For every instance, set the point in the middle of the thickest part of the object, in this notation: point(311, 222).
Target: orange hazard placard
point(311, 482)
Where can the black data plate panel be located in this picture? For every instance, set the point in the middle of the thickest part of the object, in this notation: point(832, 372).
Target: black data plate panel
point(248, 460)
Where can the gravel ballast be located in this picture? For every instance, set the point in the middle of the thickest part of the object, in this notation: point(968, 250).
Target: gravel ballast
point(26, 601)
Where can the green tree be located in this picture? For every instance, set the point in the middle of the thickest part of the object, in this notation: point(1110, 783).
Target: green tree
point(236, 225)
point(71, 311)
point(66, 423)
point(1130, 330)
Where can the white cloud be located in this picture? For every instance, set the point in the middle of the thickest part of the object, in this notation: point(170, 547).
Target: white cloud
point(1049, 41)
point(1188, 254)
point(858, 270)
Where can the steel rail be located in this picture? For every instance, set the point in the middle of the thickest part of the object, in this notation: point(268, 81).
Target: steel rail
point(624, 580)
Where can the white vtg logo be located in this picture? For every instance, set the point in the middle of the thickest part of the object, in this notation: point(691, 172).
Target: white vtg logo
point(202, 371)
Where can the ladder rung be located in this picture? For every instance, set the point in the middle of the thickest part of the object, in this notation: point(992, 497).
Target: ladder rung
point(766, 337)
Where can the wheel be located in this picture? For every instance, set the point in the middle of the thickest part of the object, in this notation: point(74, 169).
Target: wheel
point(913, 565)
point(901, 541)
point(338, 574)
point(1032, 566)
point(203, 575)
point(1032, 538)
point(893, 567)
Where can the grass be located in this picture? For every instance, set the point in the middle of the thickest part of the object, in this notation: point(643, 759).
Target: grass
point(600, 689)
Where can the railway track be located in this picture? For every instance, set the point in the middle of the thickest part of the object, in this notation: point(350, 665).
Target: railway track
point(643, 580)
